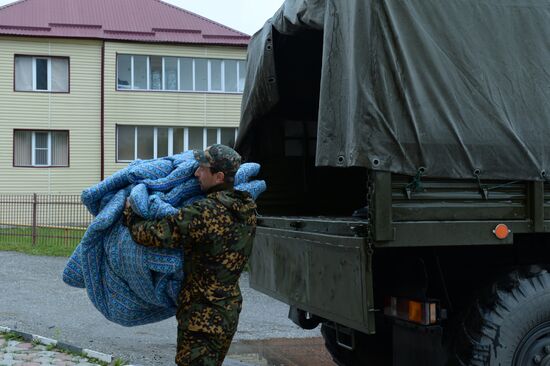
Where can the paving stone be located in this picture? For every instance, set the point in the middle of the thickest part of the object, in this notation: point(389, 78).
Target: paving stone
point(23, 353)
point(42, 359)
point(7, 361)
point(51, 354)
point(65, 356)
point(25, 356)
point(24, 345)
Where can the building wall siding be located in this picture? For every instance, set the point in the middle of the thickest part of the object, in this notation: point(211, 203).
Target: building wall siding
point(77, 111)
point(80, 110)
point(158, 108)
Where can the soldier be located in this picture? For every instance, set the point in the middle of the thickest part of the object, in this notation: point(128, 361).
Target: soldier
point(216, 235)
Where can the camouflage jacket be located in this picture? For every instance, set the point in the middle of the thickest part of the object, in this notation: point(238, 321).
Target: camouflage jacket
point(216, 236)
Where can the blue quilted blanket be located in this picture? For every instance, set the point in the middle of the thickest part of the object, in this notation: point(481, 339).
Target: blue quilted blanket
point(128, 283)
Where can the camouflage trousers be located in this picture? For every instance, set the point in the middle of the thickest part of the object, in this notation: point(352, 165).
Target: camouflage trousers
point(205, 334)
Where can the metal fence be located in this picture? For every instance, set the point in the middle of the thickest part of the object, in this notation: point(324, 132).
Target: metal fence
point(36, 219)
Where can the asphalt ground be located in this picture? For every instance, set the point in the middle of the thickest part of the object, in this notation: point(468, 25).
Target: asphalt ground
point(34, 299)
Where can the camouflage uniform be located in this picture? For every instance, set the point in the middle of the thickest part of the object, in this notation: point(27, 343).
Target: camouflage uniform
point(216, 235)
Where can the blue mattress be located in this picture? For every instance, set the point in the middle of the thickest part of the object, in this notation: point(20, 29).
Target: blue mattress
point(128, 283)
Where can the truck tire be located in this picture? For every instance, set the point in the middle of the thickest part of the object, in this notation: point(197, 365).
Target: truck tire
point(509, 324)
point(369, 350)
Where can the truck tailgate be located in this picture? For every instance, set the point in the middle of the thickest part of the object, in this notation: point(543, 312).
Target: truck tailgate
point(326, 274)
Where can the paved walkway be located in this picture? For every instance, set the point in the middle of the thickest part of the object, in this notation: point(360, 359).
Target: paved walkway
point(288, 352)
point(22, 353)
point(37, 302)
point(280, 351)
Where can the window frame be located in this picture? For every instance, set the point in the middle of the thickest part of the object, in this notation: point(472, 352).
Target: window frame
point(170, 139)
point(163, 89)
point(33, 152)
point(49, 58)
point(35, 149)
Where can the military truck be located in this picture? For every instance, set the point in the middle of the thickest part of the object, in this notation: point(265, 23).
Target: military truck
point(405, 145)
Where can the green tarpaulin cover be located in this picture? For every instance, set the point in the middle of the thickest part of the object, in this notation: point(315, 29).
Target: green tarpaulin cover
point(455, 86)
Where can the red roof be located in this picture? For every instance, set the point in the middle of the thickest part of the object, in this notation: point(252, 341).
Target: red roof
point(129, 20)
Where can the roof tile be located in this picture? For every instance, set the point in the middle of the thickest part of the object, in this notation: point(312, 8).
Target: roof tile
point(134, 20)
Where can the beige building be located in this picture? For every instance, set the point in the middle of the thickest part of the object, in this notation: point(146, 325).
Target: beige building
point(82, 92)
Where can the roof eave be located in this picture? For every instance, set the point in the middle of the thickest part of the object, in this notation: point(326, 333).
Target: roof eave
point(119, 39)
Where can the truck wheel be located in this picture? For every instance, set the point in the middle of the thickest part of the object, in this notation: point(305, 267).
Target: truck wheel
point(369, 350)
point(509, 324)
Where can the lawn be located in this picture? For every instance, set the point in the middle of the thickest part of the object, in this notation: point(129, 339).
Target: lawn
point(59, 242)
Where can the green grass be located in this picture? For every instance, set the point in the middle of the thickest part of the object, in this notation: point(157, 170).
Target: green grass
point(11, 337)
point(119, 362)
point(49, 241)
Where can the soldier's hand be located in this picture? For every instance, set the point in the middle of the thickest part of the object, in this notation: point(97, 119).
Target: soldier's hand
point(127, 213)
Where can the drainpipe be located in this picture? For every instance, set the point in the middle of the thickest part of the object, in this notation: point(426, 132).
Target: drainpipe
point(102, 122)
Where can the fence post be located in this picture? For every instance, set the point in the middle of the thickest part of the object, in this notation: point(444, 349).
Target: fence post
point(34, 219)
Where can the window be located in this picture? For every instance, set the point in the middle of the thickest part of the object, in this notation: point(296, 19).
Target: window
point(186, 74)
point(195, 138)
point(180, 74)
point(211, 136)
point(201, 74)
point(155, 72)
point(124, 72)
point(230, 75)
point(40, 148)
point(42, 74)
point(140, 79)
point(126, 143)
point(146, 142)
point(215, 75)
point(171, 73)
point(241, 74)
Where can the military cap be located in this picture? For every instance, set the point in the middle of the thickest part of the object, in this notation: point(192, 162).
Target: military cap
point(220, 158)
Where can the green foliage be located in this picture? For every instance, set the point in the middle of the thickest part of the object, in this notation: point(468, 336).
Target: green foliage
point(118, 362)
point(58, 242)
point(11, 337)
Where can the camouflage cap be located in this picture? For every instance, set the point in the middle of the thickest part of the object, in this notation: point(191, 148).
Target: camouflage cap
point(220, 158)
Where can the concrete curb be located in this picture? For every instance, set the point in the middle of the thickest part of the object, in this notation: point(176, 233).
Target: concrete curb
point(87, 352)
point(60, 345)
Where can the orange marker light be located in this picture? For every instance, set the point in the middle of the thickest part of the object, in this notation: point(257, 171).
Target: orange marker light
point(501, 231)
point(420, 312)
point(415, 311)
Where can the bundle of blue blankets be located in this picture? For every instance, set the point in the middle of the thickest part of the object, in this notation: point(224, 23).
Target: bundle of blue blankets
point(128, 283)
